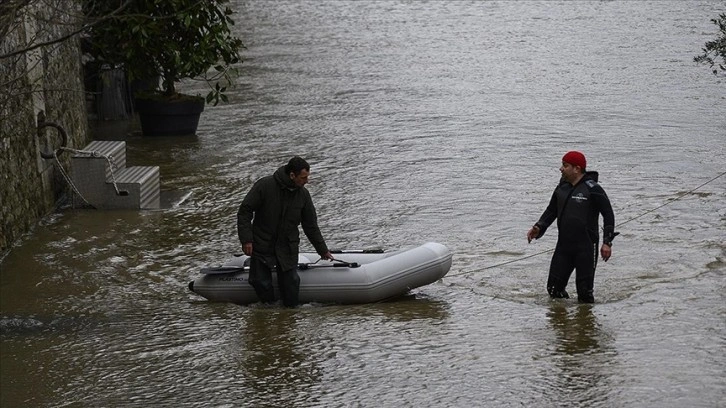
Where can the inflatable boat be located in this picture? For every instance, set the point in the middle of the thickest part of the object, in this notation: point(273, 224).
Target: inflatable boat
point(355, 276)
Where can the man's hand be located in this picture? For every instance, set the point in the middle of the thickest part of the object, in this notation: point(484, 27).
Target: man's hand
point(606, 251)
point(327, 256)
point(533, 233)
point(247, 248)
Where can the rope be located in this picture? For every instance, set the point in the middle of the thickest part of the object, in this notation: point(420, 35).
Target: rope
point(503, 263)
point(92, 153)
point(95, 153)
point(671, 201)
point(68, 179)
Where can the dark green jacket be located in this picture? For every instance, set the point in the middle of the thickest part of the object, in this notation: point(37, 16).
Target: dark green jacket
point(278, 207)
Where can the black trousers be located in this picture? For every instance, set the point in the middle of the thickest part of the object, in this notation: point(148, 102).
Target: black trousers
point(583, 260)
point(287, 281)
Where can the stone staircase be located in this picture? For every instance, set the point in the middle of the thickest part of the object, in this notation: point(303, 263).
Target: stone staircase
point(101, 177)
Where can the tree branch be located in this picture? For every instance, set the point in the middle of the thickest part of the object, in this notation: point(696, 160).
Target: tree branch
point(67, 36)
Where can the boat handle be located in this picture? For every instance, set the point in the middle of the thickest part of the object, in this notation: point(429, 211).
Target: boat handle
point(337, 263)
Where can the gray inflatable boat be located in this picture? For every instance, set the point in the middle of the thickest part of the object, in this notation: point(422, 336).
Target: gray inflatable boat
point(356, 276)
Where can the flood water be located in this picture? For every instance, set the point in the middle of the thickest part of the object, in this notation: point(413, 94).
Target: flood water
point(423, 121)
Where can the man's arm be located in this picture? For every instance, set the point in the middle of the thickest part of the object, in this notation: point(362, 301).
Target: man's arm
point(548, 217)
point(309, 223)
point(606, 210)
point(250, 204)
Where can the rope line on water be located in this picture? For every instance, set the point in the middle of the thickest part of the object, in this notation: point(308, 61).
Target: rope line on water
point(672, 200)
point(678, 197)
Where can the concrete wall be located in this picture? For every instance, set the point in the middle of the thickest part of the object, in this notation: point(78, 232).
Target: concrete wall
point(45, 82)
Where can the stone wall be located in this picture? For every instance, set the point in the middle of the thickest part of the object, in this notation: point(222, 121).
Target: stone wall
point(43, 83)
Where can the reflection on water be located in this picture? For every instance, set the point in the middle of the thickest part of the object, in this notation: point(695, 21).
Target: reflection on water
point(577, 330)
point(274, 359)
point(280, 356)
point(405, 309)
point(582, 353)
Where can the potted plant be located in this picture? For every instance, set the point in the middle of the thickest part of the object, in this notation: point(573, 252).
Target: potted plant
point(171, 40)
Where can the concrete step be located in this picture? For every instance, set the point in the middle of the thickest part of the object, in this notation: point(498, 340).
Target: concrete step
point(100, 164)
point(115, 149)
point(139, 188)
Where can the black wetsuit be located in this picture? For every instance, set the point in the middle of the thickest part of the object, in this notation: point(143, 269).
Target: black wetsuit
point(577, 209)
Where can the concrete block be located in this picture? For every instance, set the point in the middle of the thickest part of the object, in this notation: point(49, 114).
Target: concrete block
point(139, 187)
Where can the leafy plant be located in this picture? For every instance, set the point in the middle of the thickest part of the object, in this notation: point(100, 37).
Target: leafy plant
point(174, 39)
point(715, 49)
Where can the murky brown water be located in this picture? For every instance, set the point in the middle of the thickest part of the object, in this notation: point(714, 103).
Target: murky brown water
point(424, 121)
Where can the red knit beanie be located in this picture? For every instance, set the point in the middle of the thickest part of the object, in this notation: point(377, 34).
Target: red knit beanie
point(575, 158)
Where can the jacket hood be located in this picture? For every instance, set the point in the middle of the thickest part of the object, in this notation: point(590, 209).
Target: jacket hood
point(283, 179)
point(592, 175)
point(589, 175)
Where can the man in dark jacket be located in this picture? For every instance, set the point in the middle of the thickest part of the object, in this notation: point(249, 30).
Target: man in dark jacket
point(267, 225)
point(576, 203)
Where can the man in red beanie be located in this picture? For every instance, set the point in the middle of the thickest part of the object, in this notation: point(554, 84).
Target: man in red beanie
point(576, 204)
